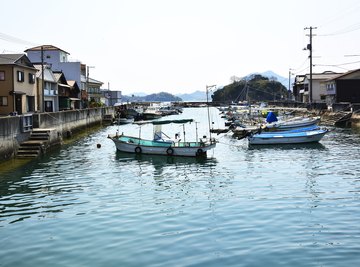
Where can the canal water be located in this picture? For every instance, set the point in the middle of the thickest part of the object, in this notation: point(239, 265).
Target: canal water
point(81, 205)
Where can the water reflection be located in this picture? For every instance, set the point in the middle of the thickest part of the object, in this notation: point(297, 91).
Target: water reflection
point(306, 146)
point(160, 161)
point(36, 189)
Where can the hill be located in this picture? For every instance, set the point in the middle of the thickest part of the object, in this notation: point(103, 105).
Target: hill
point(159, 97)
point(254, 88)
point(276, 77)
point(197, 96)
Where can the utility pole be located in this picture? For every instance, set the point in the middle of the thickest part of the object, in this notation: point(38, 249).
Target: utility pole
point(42, 105)
point(309, 47)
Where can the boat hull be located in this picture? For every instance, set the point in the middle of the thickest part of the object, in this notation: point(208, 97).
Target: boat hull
point(292, 124)
point(287, 138)
point(140, 146)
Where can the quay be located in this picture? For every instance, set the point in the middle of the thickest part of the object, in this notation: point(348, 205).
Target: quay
point(30, 135)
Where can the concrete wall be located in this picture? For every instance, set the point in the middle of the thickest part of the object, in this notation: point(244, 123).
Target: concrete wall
point(64, 123)
point(10, 136)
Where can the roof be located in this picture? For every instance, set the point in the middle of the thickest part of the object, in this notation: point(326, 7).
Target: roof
point(46, 48)
point(326, 75)
point(343, 75)
point(73, 84)
point(16, 59)
point(89, 80)
point(7, 59)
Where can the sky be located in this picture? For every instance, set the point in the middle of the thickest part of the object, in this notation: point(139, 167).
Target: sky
point(181, 46)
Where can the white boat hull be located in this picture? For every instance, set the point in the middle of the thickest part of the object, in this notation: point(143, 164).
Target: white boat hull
point(292, 124)
point(185, 149)
point(286, 138)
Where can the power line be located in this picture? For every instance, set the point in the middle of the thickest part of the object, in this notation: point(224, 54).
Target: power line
point(12, 39)
point(342, 64)
point(340, 14)
point(345, 30)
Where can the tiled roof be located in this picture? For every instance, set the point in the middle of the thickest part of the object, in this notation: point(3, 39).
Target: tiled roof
point(342, 75)
point(46, 48)
point(6, 59)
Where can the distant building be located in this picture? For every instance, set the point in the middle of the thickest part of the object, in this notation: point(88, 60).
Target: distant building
point(94, 94)
point(111, 97)
point(18, 91)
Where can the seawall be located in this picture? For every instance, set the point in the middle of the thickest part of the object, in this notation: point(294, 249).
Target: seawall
point(16, 129)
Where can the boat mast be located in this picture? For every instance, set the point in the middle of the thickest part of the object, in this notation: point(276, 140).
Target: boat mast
point(207, 104)
point(184, 132)
point(196, 131)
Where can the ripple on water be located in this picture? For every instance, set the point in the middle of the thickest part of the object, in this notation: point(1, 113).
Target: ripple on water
point(244, 206)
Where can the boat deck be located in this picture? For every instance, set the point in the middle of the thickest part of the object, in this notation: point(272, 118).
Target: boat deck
point(143, 142)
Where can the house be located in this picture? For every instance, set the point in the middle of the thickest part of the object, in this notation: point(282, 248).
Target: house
point(50, 90)
point(94, 94)
point(18, 90)
point(344, 88)
point(74, 92)
point(111, 97)
point(68, 92)
point(302, 87)
point(59, 61)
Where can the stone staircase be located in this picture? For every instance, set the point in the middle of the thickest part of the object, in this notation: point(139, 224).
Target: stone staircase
point(36, 144)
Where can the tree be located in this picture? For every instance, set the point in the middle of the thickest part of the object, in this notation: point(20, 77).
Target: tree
point(254, 88)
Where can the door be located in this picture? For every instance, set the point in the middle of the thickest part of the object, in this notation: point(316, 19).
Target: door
point(18, 104)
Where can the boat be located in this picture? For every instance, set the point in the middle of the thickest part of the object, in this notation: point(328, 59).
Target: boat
point(124, 120)
point(273, 124)
point(295, 136)
point(151, 113)
point(161, 144)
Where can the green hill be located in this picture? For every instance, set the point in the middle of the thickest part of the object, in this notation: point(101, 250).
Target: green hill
point(254, 88)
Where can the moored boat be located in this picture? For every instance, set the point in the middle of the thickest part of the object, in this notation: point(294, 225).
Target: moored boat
point(296, 136)
point(273, 124)
point(161, 144)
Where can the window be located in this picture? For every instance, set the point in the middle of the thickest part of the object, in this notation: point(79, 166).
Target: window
point(3, 100)
point(31, 78)
point(20, 76)
point(2, 75)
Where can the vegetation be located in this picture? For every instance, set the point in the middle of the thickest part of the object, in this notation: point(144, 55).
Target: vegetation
point(254, 88)
point(160, 97)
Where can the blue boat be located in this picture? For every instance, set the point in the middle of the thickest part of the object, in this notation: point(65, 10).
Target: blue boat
point(295, 136)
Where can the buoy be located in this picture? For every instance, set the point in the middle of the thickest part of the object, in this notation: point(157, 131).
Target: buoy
point(98, 145)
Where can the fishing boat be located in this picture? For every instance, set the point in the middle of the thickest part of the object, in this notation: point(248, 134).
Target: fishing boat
point(161, 144)
point(295, 136)
point(124, 120)
point(273, 124)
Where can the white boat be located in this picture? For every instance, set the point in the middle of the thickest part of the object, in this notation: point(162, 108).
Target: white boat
point(293, 123)
point(287, 137)
point(151, 113)
point(125, 120)
point(162, 144)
